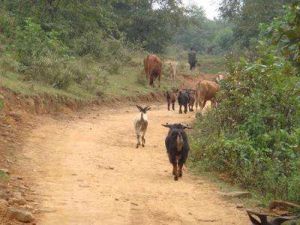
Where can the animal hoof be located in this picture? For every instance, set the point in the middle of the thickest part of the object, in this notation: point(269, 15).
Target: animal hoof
point(143, 145)
point(180, 175)
point(175, 178)
point(137, 146)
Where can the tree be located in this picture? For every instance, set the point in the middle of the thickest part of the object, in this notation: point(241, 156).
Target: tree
point(246, 15)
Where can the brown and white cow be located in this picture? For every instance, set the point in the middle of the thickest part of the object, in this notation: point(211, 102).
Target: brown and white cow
point(153, 68)
point(206, 91)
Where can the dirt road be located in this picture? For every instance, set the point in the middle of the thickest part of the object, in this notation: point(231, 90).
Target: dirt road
point(87, 171)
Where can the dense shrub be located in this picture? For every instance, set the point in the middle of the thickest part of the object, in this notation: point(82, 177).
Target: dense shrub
point(254, 134)
point(32, 42)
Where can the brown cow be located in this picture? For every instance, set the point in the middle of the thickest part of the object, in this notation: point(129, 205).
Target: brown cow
point(153, 68)
point(171, 98)
point(206, 90)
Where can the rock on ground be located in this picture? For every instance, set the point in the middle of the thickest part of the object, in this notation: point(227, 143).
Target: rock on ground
point(20, 215)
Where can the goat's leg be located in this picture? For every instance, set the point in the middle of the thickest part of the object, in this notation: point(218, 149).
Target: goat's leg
point(180, 109)
point(138, 140)
point(169, 105)
point(143, 140)
point(180, 165)
point(175, 171)
point(173, 106)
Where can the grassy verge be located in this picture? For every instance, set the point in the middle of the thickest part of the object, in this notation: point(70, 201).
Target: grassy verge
point(211, 63)
point(128, 81)
point(3, 176)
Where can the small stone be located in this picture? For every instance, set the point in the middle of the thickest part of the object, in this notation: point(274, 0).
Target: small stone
point(15, 201)
point(239, 206)
point(4, 195)
point(17, 195)
point(21, 215)
point(3, 206)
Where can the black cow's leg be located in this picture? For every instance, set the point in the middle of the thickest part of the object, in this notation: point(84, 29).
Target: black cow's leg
point(185, 108)
point(173, 106)
point(180, 109)
point(168, 105)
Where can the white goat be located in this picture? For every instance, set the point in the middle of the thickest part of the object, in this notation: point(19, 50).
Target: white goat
point(141, 124)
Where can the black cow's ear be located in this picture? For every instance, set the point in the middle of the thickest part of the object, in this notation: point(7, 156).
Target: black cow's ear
point(166, 125)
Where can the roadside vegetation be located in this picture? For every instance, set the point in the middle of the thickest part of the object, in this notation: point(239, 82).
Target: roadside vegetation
point(253, 136)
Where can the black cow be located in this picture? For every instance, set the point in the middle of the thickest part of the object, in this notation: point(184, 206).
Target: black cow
point(177, 147)
point(183, 100)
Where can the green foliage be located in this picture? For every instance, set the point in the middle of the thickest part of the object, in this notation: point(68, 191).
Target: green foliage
point(3, 176)
point(246, 15)
point(207, 36)
point(285, 32)
point(32, 42)
point(1, 102)
point(254, 134)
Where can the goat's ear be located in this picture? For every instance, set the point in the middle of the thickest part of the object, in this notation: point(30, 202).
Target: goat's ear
point(148, 108)
point(139, 107)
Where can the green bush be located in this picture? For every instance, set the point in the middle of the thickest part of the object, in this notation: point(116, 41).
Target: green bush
point(32, 42)
point(90, 43)
point(50, 70)
point(254, 134)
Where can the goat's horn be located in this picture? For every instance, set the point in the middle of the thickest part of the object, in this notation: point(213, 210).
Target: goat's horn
point(186, 126)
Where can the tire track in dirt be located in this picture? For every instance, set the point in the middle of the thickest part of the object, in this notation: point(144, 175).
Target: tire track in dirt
point(88, 172)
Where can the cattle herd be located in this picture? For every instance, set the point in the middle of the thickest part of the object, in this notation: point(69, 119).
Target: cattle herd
point(176, 141)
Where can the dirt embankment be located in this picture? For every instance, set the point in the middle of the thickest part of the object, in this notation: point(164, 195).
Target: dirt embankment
point(18, 118)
